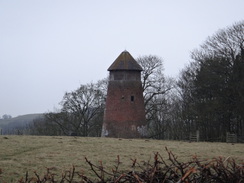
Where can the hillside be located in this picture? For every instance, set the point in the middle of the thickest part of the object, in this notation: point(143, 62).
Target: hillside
point(19, 121)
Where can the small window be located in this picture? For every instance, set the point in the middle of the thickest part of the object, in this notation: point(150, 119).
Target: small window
point(132, 98)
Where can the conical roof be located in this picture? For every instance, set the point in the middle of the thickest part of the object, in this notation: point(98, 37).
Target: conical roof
point(125, 62)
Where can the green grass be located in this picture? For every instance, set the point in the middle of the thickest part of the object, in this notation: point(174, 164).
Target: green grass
point(19, 154)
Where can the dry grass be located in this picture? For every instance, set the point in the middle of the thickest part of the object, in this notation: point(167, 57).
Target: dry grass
point(19, 154)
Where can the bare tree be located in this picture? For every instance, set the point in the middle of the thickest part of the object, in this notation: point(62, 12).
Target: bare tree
point(45, 125)
point(81, 113)
point(154, 82)
point(225, 43)
point(84, 105)
point(6, 116)
point(155, 89)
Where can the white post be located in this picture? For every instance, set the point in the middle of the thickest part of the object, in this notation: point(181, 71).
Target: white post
point(197, 134)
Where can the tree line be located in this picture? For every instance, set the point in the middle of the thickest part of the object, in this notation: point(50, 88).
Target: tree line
point(208, 96)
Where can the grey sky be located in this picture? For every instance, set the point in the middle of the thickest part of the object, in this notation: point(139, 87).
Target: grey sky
point(48, 47)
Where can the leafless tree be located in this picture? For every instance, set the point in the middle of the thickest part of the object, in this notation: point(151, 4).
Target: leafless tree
point(155, 90)
point(84, 104)
point(225, 43)
point(81, 113)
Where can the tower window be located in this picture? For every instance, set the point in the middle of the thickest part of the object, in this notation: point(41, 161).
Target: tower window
point(132, 98)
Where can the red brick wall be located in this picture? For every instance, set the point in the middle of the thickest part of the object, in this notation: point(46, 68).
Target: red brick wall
point(123, 116)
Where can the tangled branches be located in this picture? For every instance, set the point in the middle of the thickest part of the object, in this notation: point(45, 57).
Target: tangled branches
point(160, 170)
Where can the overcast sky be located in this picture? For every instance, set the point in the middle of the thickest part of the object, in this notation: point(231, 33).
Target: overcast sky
point(48, 47)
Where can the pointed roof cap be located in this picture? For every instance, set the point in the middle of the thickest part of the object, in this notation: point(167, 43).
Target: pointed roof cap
point(125, 62)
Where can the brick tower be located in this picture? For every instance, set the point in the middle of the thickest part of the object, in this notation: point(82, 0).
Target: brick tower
point(124, 114)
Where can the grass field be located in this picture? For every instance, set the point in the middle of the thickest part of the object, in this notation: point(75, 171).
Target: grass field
point(19, 154)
